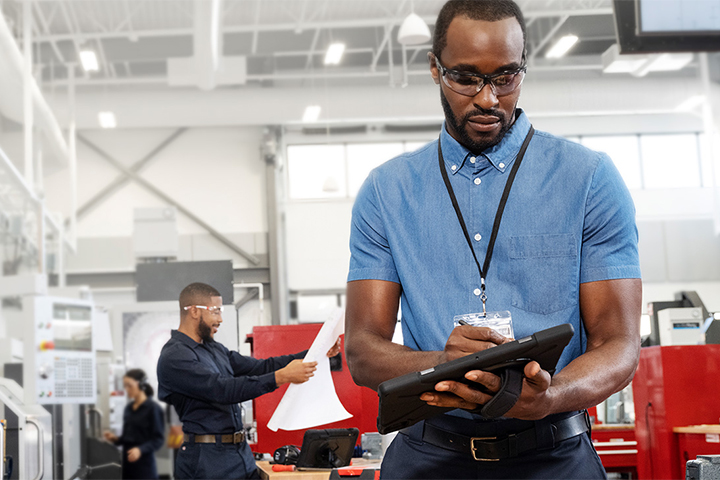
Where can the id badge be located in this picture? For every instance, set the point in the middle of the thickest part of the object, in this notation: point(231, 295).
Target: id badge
point(501, 322)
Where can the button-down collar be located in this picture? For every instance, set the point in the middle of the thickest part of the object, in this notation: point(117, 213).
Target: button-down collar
point(501, 156)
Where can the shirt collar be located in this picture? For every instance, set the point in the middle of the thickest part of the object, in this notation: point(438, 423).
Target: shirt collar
point(178, 335)
point(501, 156)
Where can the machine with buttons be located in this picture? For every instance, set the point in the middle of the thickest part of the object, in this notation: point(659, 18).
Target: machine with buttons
point(59, 351)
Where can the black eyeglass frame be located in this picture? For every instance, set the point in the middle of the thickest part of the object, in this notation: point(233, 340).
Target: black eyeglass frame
point(486, 79)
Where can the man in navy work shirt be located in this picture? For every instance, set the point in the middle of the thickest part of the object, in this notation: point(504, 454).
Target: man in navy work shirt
point(564, 251)
point(205, 381)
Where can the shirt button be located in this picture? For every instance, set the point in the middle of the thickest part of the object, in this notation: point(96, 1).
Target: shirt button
point(472, 159)
point(476, 292)
point(477, 181)
point(502, 165)
point(478, 237)
point(453, 168)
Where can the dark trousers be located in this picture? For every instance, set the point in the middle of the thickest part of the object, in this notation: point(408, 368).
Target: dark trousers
point(211, 461)
point(408, 457)
point(144, 468)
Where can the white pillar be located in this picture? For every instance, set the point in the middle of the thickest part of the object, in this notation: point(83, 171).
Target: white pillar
point(711, 136)
point(27, 91)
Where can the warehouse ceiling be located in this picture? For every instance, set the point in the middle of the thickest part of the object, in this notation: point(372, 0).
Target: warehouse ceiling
point(281, 43)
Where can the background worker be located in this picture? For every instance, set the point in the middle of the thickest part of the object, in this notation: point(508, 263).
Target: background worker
point(143, 428)
point(205, 381)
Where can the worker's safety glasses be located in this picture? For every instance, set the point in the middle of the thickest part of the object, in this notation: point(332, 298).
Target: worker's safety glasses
point(212, 310)
point(470, 84)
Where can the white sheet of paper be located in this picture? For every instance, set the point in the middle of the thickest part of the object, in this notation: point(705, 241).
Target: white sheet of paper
point(314, 402)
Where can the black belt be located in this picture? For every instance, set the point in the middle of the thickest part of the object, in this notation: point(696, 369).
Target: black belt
point(506, 446)
point(237, 437)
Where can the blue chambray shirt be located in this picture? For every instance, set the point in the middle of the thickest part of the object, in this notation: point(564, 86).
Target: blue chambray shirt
point(569, 220)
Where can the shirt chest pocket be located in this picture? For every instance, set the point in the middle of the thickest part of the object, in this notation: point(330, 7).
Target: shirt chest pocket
point(544, 272)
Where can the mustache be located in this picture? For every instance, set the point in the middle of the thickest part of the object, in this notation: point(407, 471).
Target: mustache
point(482, 111)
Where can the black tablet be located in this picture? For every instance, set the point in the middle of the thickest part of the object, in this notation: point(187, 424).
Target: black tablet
point(326, 449)
point(400, 404)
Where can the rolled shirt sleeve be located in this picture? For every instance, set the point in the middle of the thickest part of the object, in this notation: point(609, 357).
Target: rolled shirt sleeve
point(610, 237)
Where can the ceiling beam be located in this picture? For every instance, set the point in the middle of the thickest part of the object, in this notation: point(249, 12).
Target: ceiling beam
point(279, 27)
point(549, 36)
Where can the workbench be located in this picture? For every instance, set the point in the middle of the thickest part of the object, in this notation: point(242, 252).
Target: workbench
point(266, 471)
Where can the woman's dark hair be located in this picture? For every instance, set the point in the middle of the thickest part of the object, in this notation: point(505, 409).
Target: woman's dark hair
point(139, 375)
point(488, 10)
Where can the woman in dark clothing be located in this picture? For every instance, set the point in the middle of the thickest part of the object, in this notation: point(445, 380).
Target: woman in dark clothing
point(143, 428)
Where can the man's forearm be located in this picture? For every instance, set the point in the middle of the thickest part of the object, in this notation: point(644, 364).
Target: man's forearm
point(372, 360)
point(594, 376)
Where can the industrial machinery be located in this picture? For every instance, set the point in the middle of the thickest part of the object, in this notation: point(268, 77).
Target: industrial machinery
point(681, 326)
point(59, 363)
point(685, 324)
point(50, 381)
point(5, 461)
point(34, 433)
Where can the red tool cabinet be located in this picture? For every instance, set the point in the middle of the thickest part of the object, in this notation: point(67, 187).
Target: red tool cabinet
point(673, 387)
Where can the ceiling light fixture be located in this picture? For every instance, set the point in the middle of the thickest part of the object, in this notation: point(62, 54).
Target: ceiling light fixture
point(562, 46)
point(334, 53)
point(691, 103)
point(107, 120)
point(664, 62)
point(312, 113)
point(413, 31)
point(89, 61)
point(640, 65)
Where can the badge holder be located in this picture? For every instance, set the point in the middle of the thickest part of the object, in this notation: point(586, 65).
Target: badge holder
point(501, 321)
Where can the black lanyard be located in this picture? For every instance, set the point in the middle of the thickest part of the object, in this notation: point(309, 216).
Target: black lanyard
point(498, 215)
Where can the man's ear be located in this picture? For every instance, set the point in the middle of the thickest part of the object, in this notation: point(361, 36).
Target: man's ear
point(433, 68)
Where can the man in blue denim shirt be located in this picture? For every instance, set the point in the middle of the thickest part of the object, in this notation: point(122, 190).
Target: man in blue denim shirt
point(205, 381)
point(566, 252)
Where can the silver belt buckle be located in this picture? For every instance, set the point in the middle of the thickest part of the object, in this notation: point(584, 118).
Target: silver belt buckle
point(238, 437)
point(474, 450)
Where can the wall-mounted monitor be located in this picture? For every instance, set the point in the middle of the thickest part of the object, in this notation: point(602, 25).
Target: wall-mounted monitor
point(666, 26)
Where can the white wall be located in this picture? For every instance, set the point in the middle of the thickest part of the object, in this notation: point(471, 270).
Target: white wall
point(216, 173)
point(318, 235)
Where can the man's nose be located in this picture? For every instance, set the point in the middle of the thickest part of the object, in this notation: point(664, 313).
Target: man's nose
point(486, 98)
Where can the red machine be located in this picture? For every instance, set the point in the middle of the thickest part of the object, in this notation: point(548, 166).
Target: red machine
point(673, 387)
point(272, 341)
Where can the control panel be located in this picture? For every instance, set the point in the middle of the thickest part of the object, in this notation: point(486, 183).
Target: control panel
point(59, 351)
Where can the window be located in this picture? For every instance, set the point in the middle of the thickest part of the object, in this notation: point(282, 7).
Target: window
point(624, 152)
point(339, 170)
point(644, 161)
point(317, 171)
point(670, 161)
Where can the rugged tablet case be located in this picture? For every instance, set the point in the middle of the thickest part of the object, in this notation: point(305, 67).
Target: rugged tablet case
point(400, 404)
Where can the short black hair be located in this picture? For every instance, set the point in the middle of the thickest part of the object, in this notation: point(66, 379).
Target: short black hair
point(487, 10)
point(195, 294)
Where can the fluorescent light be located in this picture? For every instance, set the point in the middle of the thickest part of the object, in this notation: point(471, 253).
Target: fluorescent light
point(666, 62)
point(562, 46)
point(334, 53)
point(691, 103)
point(663, 62)
point(640, 65)
point(107, 120)
point(89, 61)
point(312, 113)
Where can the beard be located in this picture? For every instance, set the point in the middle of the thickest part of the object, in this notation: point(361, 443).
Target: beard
point(460, 126)
point(205, 332)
